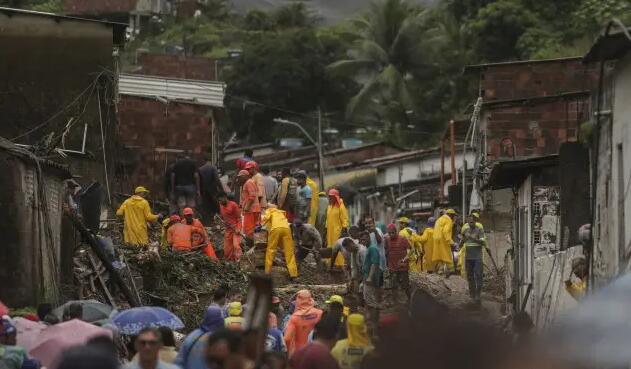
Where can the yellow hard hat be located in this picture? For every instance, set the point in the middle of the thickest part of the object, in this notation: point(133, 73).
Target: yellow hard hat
point(335, 298)
point(141, 189)
point(404, 220)
point(235, 308)
point(450, 212)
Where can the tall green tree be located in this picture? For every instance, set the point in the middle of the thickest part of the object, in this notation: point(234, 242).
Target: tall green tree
point(387, 55)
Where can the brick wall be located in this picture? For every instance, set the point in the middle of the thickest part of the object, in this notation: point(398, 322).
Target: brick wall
point(513, 81)
point(146, 125)
point(98, 6)
point(534, 130)
point(177, 66)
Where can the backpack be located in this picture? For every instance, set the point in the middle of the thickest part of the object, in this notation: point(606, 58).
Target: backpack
point(292, 195)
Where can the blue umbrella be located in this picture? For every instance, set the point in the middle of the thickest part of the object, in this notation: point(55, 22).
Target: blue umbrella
point(132, 321)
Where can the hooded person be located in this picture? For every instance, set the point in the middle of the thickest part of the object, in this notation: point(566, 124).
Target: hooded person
point(313, 215)
point(250, 205)
point(427, 243)
point(136, 214)
point(336, 221)
point(301, 322)
point(166, 224)
point(442, 257)
point(192, 353)
point(279, 234)
point(350, 352)
point(235, 319)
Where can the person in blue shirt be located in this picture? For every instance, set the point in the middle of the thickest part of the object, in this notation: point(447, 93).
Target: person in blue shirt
point(303, 203)
point(192, 352)
point(274, 342)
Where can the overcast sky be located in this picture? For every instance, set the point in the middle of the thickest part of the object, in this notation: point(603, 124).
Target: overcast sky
point(330, 10)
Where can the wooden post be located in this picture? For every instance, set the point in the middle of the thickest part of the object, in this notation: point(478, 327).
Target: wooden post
point(452, 151)
point(442, 170)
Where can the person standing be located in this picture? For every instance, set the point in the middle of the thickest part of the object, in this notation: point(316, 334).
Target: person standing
point(415, 251)
point(231, 216)
point(302, 321)
point(473, 241)
point(427, 242)
point(271, 185)
point(336, 221)
point(323, 204)
point(257, 177)
point(317, 354)
point(313, 213)
point(442, 257)
point(148, 344)
point(279, 233)
point(185, 184)
point(372, 273)
point(248, 155)
point(192, 352)
point(211, 187)
point(376, 239)
point(350, 352)
point(303, 205)
point(136, 213)
point(180, 237)
point(250, 205)
point(288, 194)
point(235, 320)
point(396, 251)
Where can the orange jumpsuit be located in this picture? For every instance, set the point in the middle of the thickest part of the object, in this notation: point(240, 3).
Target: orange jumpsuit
point(251, 217)
point(179, 236)
point(231, 215)
point(302, 322)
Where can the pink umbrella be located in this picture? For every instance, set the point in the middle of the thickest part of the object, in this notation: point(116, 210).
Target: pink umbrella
point(54, 340)
point(28, 332)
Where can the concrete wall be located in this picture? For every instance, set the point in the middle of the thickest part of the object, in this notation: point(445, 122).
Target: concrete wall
point(612, 216)
point(420, 168)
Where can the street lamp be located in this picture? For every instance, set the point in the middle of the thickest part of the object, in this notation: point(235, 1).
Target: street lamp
point(317, 144)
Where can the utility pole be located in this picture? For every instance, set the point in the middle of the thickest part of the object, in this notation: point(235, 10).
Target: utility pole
point(320, 156)
point(313, 142)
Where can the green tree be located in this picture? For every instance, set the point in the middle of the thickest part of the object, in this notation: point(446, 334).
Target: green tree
point(388, 53)
point(498, 27)
point(258, 20)
point(295, 15)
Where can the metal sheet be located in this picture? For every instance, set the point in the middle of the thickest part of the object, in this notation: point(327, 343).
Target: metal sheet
point(190, 91)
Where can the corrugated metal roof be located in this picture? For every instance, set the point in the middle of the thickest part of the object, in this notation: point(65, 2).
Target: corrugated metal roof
point(190, 91)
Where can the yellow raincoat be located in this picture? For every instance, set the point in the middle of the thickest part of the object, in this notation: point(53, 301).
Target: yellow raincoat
point(336, 220)
point(279, 234)
point(136, 213)
point(350, 352)
point(427, 242)
point(443, 241)
point(313, 215)
point(462, 253)
point(414, 253)
point(577, 289)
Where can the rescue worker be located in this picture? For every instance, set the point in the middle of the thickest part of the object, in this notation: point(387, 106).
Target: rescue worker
point(350, 352)
point(303, 203)
point(323, 204)
point(166, 224)
point(308, 239)
point(288, 193)
point(279, 233)
point(427, 243)
point(250, 205)
point(235, 320)
point(180, 237)
point(189, 218)
point(580, 271)
point(136, 213)
point(258, 178)
point(231, 215)
point(463, 250)
point(336, 222)
point(415, 253)
point(313, 215)
point(442, 257)
point(301, 322)
point(473, 241)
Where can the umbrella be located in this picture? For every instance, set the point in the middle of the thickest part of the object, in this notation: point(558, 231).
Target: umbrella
point(92, 310)
point(55, 339)
point(4, 310)
point(28, 331)
point(132, 321)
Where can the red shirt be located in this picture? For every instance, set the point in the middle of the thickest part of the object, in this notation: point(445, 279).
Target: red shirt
point(250, 191)
point(313, 356)
point(231, 214)
point(396, 250)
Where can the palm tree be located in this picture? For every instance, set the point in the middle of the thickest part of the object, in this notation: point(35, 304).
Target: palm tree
point(386, 56)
